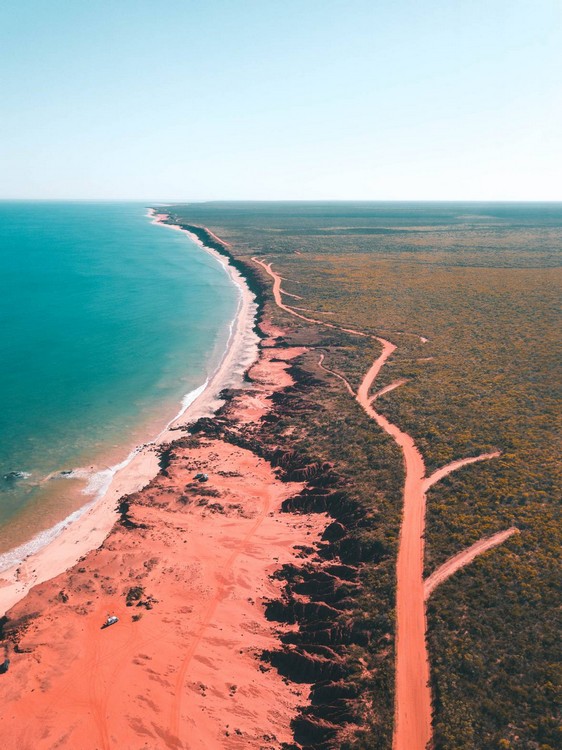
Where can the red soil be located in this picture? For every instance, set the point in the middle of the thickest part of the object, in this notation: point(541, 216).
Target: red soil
point(412, 729)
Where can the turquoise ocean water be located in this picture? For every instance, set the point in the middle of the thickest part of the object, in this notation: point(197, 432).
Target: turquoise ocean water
point(107, 321)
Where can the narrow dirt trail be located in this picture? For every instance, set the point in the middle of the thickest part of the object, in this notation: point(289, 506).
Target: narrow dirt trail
point(294, 296)
point(387, 389)
point(224, 583)
point(455, 465)
point(102, 667)
point(343, 379)
point(458, 561)
point(412, 717)
point(277, 291)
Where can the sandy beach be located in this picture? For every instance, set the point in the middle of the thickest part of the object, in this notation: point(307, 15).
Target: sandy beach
point(89, 530)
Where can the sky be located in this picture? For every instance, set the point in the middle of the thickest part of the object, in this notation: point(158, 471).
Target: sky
point(174, 100)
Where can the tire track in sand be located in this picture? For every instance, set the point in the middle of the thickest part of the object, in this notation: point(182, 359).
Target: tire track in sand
point(175, 719)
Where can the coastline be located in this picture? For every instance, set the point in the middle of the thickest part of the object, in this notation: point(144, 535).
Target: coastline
point(191, 572)
point(86, 528)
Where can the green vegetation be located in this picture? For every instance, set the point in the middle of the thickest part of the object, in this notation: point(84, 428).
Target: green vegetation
point(134, 594)
point(482, 284)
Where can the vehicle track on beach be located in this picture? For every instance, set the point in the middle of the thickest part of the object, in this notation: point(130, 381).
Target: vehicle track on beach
point(412, 710)
point(110, 650)
point(174, 724)
point(109, 657)
point(104, 654)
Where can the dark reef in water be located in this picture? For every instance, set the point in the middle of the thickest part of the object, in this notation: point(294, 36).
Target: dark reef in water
point(12, 476)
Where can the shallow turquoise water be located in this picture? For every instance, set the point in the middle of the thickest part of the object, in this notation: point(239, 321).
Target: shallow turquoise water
point(106, 322)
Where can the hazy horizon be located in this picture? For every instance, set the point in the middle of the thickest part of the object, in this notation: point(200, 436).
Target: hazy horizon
point(155, 202)
point(248, 100)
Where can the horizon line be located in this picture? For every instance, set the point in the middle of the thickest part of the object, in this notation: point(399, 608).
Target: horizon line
point(179, 201)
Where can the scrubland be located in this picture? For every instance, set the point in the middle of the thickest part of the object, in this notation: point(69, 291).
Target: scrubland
point(482, 284)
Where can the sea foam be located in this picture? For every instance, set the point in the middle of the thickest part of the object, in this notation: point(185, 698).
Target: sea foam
point(99, 480)
point(97, 484)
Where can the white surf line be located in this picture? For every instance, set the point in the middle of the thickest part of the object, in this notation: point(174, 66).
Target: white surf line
point(101, 480)
point(458, 561)
point(239, 282)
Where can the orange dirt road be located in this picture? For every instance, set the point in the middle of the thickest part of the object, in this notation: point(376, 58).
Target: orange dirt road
point(412, 728)
point(412, 717)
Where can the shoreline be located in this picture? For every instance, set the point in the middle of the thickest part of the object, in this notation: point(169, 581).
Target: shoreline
point(191, 572)
point(88, 526)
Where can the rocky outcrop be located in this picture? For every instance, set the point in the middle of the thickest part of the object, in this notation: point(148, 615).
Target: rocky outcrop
point(311, 664)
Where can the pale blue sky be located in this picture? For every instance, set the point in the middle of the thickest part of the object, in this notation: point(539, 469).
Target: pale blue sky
point(288, 99)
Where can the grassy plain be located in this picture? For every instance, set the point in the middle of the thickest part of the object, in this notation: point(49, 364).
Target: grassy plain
point(482, 283)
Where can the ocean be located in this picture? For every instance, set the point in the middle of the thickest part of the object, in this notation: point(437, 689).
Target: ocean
point(107, 323)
